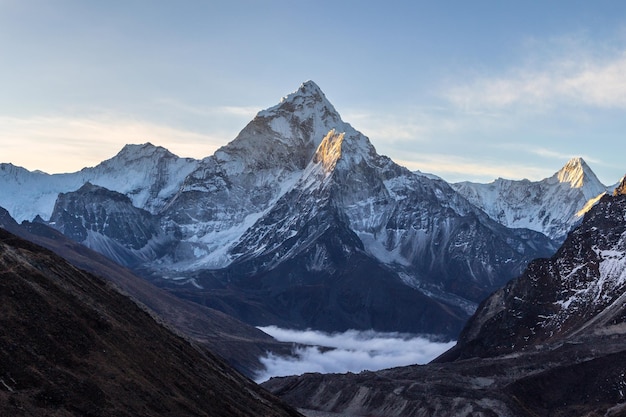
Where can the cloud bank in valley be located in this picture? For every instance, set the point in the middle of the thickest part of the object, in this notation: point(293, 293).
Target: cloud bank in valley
point(350, 351)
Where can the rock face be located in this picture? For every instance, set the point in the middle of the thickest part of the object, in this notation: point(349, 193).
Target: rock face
point(580, 289)
point(107, 221)
point(621, 188)
point(552, 206)
point(72, 345)
point(551, 342)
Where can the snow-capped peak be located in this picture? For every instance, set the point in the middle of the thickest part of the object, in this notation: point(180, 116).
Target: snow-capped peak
point(285, 136)
point(305, 102)
point(132, 152)
point(306, 89)
point(577, 173)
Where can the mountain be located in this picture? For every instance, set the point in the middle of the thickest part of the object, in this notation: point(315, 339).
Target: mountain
point(298, 221)
point(232, 189)
point(552, 342)
point(241, 345)
point(551, 206)
point(359, 242)
point(149, 175)
point(107, 221)
point(72, 345)
point(579, 291)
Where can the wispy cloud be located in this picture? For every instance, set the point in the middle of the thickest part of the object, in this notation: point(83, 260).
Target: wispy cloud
point(351, 351)
point(570, 72)
point(66, 144)
point(455, 168)
point(549, 153)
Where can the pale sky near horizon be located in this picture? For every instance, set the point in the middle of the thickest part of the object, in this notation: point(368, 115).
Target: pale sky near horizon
point(465, 90)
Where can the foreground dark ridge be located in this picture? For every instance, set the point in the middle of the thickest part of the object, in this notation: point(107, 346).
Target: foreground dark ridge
point(72, 345)
point(241, 345)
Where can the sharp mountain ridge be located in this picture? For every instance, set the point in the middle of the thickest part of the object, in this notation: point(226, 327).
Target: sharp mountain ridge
point(297, 196)
point(552, 206)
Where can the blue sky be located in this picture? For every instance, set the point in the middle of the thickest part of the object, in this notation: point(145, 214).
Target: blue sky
point(466, 90)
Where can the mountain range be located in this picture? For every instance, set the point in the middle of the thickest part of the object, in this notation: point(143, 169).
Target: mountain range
point(551, 206)
point(552, 342)
point(299, 222)
point(239, 344)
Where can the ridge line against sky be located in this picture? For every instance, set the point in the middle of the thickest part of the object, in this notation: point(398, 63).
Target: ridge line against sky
point(464, 90)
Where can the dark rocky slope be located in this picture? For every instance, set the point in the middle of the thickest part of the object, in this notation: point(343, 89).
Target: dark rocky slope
point(550, 343)
point(241, 345)
point(72, 345)
point(578, 291)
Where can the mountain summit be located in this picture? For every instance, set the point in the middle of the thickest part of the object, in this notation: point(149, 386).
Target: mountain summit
point(284, 136)
point(577, 174)
point(552, 206)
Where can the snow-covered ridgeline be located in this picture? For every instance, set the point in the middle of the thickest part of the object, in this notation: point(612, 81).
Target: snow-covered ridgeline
point(149, 175)
point(551, 206)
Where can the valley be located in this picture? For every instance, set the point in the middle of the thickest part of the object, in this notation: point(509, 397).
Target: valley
point(299, 223)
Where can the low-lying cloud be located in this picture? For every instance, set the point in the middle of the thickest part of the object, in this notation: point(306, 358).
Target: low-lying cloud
point(350, 351)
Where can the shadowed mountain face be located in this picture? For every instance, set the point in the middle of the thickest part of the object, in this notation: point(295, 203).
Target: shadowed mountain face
point(550, 343)
point(239, 344)
point(72, 345)
point(581, 289)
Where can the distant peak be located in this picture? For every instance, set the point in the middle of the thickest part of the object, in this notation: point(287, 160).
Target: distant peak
point(88, 187)
point(131, 151)
point(147, 145)
point(309, 88)
point(576, 163)
point(576, 172)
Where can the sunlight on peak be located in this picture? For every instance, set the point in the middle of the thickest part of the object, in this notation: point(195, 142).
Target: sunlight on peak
point(573, 172)
point(329, 151)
